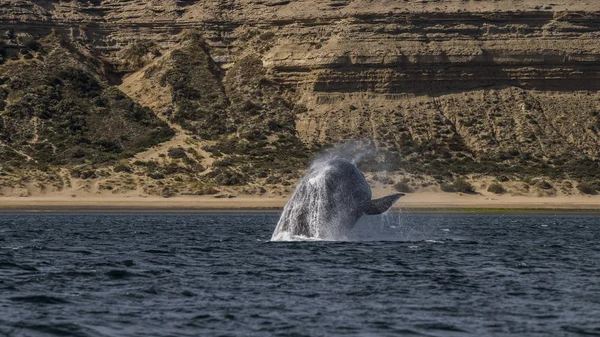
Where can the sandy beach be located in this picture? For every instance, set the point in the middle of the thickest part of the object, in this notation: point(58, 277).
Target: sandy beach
point(430, 201)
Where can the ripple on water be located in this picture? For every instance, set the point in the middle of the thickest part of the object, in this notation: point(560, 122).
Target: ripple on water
point(121, 274)
point(12, 265)
point(190, 275)
point(56, 329)
point(39, 299)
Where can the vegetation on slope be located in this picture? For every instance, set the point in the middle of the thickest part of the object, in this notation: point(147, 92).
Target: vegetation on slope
point(200, 104)
point(263, 142)
point(506, 132)
point(244, 113)
point(56, 110)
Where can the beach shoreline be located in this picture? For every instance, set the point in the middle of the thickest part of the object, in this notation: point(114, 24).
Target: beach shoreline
point(427, 202)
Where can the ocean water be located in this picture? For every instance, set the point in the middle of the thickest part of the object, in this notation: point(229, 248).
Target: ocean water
point(399, 274)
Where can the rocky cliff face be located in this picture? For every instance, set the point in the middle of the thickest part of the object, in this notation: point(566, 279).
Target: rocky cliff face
point(443, 88)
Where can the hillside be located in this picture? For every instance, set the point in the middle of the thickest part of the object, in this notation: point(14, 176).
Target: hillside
point(234, 97)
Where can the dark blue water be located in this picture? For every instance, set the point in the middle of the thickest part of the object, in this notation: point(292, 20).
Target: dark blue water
point(217, 275)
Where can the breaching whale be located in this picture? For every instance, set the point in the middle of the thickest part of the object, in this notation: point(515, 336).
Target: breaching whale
point(328, 201)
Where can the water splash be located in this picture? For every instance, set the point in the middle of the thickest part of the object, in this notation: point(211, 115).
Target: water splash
point(353, 152)
point(309, 214)
point(329, 199)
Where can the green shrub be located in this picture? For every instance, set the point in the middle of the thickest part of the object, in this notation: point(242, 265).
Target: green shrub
point(156, 175)
point(212, 150)
point(403, 187)
point(203, 189)
point(448, 188)
point(138, 50)
point(496, 188)
point(197, 168)
point(229, 178)
point(223, 162)
point(463, 186)
point(273, 180)
point(586, 188)
point(25, 40)
point(595, 185)
point(544, 185)
point(89, 174)
point(188, 161)
point(122, 168)
point(176, 153)
point(386, 180)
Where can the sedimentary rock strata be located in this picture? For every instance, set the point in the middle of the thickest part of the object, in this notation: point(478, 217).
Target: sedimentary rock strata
point(487, 87)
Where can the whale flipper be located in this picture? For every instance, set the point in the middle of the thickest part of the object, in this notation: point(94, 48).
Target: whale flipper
point(378, 206)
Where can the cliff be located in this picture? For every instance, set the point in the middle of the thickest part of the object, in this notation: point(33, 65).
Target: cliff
point(252, 89)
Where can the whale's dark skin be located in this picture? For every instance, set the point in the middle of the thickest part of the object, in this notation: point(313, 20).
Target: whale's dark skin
point(329, 200)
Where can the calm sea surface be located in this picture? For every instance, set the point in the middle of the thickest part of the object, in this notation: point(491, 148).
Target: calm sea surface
point(218, 275)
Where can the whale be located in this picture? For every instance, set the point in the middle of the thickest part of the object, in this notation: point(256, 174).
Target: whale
point(328, 201)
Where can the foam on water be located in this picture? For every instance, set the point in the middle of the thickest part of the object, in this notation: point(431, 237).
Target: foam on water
point(285, 236)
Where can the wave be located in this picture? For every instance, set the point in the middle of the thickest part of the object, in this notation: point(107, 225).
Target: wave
point(39, 299)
